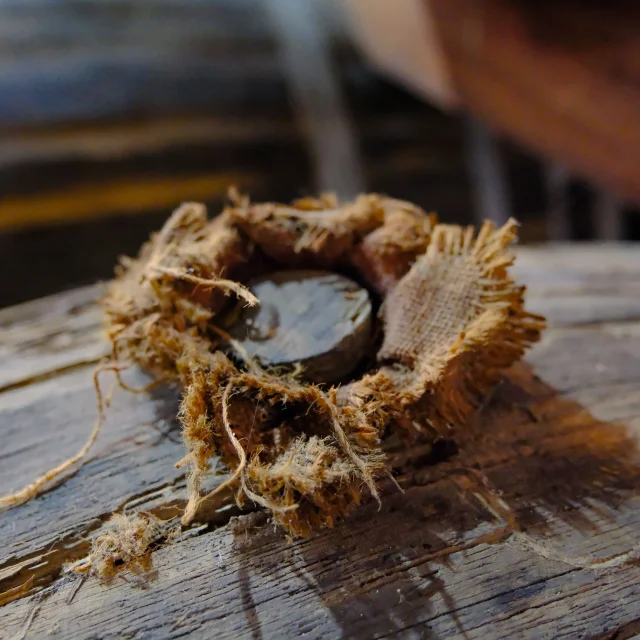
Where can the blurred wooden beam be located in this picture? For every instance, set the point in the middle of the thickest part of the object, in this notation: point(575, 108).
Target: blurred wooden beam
point(112, 140)
point(130, 81)
point(120, 196)
point(557, 182)
point(561, 78)
point(401, 39)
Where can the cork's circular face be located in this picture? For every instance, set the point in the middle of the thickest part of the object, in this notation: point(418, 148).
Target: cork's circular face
point(319, 319)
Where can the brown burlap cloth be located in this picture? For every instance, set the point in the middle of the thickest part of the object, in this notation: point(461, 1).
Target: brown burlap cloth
point(453, 320)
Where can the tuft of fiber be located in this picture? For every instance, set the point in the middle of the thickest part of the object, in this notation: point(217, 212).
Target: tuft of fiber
point(453, 321)
point(125, 542)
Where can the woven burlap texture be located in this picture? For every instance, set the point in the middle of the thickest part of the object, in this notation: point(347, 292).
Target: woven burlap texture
point(453, 321)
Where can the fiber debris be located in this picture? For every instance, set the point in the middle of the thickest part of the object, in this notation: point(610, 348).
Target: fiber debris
point(123, 541)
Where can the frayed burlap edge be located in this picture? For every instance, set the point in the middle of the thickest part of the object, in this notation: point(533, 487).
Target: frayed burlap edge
point(162, 309)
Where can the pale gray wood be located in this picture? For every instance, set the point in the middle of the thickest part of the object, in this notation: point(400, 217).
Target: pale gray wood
point(428, 564)
point(52, 334)
point(582, 283)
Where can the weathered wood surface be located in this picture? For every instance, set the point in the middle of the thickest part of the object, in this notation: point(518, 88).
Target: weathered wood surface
point(558, 440)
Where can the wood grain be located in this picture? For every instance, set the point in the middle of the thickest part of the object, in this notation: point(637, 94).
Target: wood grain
point(439, 560)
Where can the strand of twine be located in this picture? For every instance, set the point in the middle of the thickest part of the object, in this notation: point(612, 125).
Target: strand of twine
point(40, 484)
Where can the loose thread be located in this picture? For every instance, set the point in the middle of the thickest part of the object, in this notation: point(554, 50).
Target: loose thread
point(195, 500)
point(346, 445)
point(240, 290)
point(39, 485)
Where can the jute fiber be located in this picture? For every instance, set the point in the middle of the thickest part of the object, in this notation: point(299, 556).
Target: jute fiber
point(452, 317)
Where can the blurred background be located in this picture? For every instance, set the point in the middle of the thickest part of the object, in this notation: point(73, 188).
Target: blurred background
point(112, 112)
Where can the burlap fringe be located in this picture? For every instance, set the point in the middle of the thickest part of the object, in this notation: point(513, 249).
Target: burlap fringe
point(454, 320)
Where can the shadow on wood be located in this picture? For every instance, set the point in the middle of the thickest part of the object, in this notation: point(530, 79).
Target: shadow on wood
point(566, 477)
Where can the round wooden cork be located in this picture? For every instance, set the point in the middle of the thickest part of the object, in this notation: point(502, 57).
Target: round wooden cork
point(319, 319)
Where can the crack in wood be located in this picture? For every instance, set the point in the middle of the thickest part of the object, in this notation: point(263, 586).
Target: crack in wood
point(49, 374)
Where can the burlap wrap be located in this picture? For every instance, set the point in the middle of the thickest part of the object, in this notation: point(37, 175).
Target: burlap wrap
point(453, 322)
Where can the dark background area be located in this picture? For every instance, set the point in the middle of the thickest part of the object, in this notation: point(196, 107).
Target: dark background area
point(112, 113)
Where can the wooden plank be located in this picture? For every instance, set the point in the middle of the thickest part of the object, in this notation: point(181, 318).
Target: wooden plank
point(79, 153)
point(118, 196)
point(582, 284)
point(559, 79)
point(118, 140)
point(90, 59)
point(433, 561)
point(106, 84)
point(48, 336)
point(72, 172)
point(142, 167)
